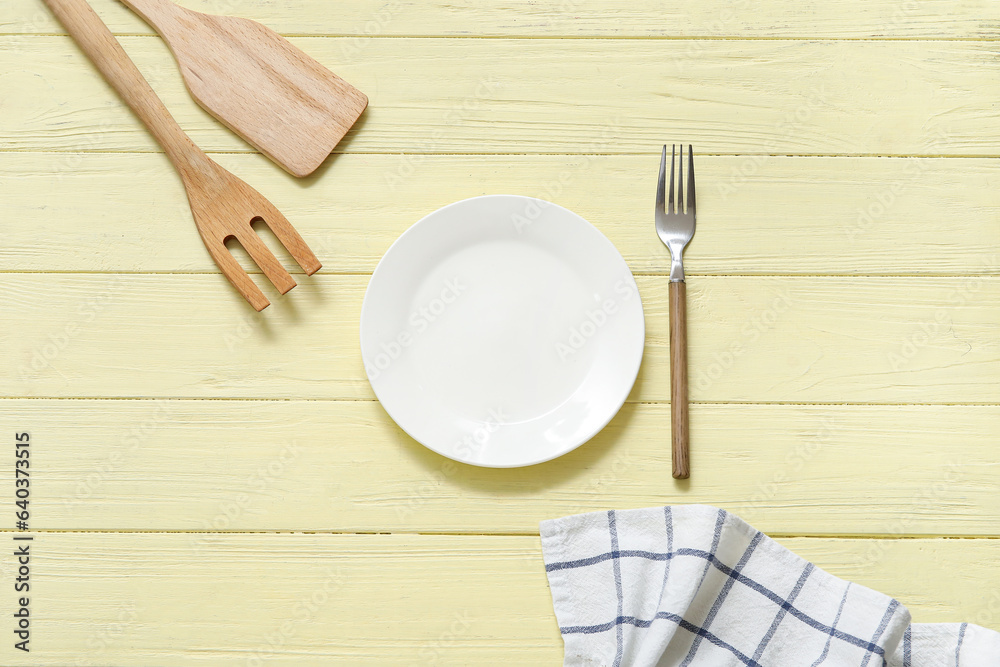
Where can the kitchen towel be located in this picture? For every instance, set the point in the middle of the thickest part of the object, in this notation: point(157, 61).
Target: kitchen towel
point(695, 585)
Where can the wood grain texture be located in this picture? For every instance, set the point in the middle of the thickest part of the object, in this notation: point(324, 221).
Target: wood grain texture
point(845, 19)
point(896, 340)
point(140, 599)
point(679, 429)
point(280, 100)
point(873, 216)
point(843, 352)
point(756, 97)
point(223, 206)
point(345, 466)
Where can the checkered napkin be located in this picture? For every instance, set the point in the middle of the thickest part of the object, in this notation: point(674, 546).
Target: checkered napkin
point(695, 585)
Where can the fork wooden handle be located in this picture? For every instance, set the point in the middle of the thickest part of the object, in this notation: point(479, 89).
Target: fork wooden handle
point(679, 379)
point(96, 40)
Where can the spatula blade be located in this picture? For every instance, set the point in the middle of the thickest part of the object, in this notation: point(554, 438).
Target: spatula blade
point(277, 98)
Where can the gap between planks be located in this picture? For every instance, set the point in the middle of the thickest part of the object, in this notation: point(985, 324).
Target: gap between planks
point(568, 37)
point(256, 399)
point(460, 534)
point(335, 152)
point(647, 274)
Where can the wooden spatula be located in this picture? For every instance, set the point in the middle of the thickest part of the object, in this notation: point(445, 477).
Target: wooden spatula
point(281, 101)
point(224, 207)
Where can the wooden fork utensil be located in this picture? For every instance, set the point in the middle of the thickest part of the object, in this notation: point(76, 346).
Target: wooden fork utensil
point(224, 207)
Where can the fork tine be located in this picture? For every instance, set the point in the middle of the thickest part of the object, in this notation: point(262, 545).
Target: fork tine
point(236, 275)
point(670, 199)
point(661, 183)
point(293, 242)
point(691, 206)
point(266, 260)
point(680, 181)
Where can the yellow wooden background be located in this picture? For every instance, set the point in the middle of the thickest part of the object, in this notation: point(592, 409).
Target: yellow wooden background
point(216, 487)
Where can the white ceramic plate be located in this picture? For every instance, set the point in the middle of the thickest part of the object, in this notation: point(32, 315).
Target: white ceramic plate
point(502, 331)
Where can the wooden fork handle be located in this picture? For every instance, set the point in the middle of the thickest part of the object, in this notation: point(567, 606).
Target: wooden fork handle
point(679, 378)
point(96, 40)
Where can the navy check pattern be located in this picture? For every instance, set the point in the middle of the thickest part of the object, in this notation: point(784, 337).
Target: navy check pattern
point(697, 586)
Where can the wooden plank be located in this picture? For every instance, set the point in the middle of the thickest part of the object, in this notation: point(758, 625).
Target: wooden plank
point(828, 340)
point(293, 465)
point(579, 96)
point(169, 599)
point(852, 19)
point(128, 212)
point(768, 328)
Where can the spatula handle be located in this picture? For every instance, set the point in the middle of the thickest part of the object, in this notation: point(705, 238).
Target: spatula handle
point(96, 40)
point(679, 378)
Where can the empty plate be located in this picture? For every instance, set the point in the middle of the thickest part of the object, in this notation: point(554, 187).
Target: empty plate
point(502, 331)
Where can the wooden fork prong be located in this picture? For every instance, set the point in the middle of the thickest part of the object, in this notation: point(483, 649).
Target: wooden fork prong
point(237, 275)
point(265, 259)
point(293, 242)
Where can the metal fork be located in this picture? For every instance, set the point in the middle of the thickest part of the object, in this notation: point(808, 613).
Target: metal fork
point(224, 207)
point(675, 227)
